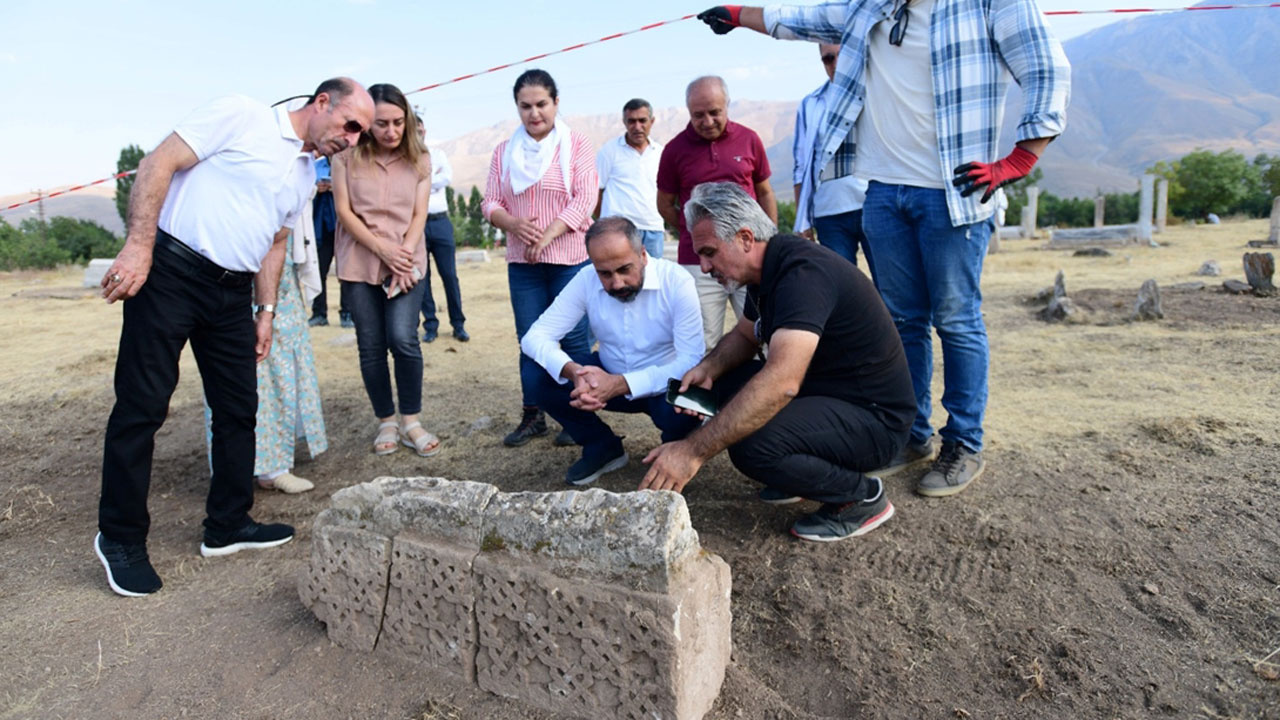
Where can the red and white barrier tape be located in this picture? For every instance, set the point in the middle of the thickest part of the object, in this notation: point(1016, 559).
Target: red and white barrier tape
point(530, 59)
point(651, 26)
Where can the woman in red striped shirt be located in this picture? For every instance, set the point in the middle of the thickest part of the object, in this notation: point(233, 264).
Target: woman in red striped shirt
point(541, 191)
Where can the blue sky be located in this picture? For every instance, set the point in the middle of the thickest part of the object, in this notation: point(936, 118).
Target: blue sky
point(82, 79)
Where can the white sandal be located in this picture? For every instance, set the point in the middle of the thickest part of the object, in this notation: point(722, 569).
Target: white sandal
point(424, 441)
point(287, 483)
point(386, 436)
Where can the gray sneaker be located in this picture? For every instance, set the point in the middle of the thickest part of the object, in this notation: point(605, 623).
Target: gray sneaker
point(955, 468)
point(911, 454)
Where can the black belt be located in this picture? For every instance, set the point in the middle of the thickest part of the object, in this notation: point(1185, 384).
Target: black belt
point(437, 216)
point(207, 267)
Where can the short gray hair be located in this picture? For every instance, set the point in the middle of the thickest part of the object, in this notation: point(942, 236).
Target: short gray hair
point(616, 224)
point(730, 209)
point(724, 88)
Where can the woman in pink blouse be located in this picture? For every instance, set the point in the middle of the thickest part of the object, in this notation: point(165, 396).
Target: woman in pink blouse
point(380, 190)
point(541, 191)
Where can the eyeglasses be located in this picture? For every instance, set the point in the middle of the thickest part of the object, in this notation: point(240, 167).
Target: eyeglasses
point(899, 30)
point(353, 126)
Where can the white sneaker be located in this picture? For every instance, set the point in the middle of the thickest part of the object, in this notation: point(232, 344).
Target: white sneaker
point(287, 483)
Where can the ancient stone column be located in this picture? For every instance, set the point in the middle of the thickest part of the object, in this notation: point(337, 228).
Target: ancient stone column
point(1275, 221)
point(1162, 204)
point(1029, 212)
point(1145, 207)
point(1099, 211)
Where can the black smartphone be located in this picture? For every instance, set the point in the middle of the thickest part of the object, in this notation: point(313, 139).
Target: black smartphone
point(697, 399)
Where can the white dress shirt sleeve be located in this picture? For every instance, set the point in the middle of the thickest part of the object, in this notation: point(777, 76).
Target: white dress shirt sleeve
point(542, 342)
point(686, 311)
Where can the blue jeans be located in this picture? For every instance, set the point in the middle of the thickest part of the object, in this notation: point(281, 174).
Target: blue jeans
point(928, 273)
point(441, 249)
point(596, 437)
point(533, 287)
point(653, 240)
point(383, 325)
point(843, 234)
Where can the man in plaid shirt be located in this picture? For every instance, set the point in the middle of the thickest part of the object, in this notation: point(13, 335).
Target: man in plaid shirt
point(920, 85)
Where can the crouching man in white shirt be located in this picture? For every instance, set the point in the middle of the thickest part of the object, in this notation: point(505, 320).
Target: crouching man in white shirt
point(646, 315)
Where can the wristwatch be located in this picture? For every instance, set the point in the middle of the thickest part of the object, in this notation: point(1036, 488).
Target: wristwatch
point(265, 308)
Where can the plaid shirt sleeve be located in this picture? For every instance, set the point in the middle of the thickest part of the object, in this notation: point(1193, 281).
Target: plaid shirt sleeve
point(1038, 64)
point(815, 23)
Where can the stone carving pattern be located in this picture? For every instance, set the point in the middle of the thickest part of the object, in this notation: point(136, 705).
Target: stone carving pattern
point(346, 584)
point(574, 648)
point(429, 605)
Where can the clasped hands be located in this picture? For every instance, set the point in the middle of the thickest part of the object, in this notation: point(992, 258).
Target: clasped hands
point(593, 387)
point(535, 240)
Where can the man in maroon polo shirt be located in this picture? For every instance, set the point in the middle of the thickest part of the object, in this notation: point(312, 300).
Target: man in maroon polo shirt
point(711, 148)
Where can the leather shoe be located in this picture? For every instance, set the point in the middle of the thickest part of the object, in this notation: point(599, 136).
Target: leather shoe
point(429, 336)
point(461, 335)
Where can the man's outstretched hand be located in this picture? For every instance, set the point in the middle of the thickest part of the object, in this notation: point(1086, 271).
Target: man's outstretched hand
point(721, 18)
point(971, 177)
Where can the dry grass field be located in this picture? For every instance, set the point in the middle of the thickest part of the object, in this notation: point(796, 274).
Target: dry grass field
point(1120, 557)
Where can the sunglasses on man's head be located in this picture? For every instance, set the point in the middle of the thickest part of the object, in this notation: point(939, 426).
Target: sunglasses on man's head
point(899, 30)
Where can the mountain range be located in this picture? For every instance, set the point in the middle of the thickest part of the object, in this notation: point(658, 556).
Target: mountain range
point(1151, 88)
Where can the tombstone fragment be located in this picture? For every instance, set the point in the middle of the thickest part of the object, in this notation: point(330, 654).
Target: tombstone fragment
point(1148, 306)
point(1060, 309)
point(1258, 269)
point(1274, 237)
point(1210, 268)
point(1060, 285)
point(1236, 287)
point(1188, 286)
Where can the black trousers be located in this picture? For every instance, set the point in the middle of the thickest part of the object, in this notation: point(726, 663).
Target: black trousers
point(815, 447)
point(324, 253)
point(180, 303)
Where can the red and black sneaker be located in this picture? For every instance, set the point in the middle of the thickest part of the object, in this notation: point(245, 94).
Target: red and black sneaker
point(836, 522)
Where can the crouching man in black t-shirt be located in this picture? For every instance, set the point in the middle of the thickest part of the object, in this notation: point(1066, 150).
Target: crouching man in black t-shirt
point(832, 401)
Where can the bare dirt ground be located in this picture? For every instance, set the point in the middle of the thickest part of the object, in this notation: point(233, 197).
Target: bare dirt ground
point(1120, 557)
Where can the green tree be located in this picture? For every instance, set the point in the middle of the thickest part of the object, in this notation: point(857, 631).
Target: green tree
point(130, 156)
point(83, 240)
point(786, 216)
point(27, 247)
point(1214, 183)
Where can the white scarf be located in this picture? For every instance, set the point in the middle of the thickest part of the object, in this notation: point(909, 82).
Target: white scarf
point(522, 174)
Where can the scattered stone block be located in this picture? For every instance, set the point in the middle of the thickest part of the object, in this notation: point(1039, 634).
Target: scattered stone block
point(470, 256)
point(1258, 270)
point(1236, 287)
point(1060, 285)
point(1106, 236)
point(587, 604)
point(96, 270)
point(1192, 286)
point(1092, 252)
point(1262, 244)
point(1210, 268)
point(1059, 310)
point(1148, 306)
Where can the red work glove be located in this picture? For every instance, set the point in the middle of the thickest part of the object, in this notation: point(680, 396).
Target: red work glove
point(970, 177)
point(721, 18)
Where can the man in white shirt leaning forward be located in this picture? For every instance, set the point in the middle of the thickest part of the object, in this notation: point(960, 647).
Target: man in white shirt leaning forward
point(648, 320)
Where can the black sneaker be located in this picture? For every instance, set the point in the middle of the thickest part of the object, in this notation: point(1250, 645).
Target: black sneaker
point(429, 336)
point(250, 537)
point(955, 468)
point(836, 522)
point(910, 455)
point(564, 439)
point(129, 571)
point(777, 497)
point(589, 468)
point(532, 424)
point(461, 335)
point(318, 321)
